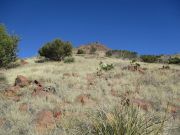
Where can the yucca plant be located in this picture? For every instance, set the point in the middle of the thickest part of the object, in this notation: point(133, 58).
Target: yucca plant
point(122, 121)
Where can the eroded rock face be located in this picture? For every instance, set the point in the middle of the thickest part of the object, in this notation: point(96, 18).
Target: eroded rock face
point(44, 122)
point(21, 81)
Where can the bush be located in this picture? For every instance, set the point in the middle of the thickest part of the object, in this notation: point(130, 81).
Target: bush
point(80, 51)
point(105, 67)
point(150, 58)
point(121, 121)
point(8, 47)
point(122, 54)
point(56, 50)
point(68, 60)
point(174, 60)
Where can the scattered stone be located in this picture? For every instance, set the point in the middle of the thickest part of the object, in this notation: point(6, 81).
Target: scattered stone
point(38, 91)
point(21, 81)
point(135, 68)
point(44, 122)
point(11, 91)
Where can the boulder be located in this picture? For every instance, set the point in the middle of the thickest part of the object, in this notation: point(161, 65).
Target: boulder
point(21, 81)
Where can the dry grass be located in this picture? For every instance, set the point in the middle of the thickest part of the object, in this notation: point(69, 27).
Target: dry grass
point(158, 86)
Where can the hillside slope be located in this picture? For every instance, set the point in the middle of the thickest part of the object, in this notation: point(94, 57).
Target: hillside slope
point(58, 96)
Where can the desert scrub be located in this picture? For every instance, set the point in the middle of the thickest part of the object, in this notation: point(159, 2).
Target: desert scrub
point(69, 59)
point(105, 67)
point(80, 51)
point(121, 121)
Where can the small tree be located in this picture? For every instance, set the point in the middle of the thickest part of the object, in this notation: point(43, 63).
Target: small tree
point(8, 47)
point(56, 50)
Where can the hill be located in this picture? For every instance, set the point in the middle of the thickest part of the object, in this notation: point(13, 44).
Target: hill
point(58, 98)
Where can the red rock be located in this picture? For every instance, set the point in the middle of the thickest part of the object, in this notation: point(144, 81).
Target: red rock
point(44, 122)
point(23, 107)
point(12, 93)
point(57, 115)
point(12, 89)
point(38, 91)
point(143, 104)
point(21, 81)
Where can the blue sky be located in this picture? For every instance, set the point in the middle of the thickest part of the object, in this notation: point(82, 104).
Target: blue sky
point(145, 26)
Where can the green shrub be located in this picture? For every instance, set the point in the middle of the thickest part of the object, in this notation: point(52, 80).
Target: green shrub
point(105, 67)
point(80, 51)
point(150, 58)
point(69, 59)
point(121, 121)
point(8, 47)
point(56, 50)
point(174, 60)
